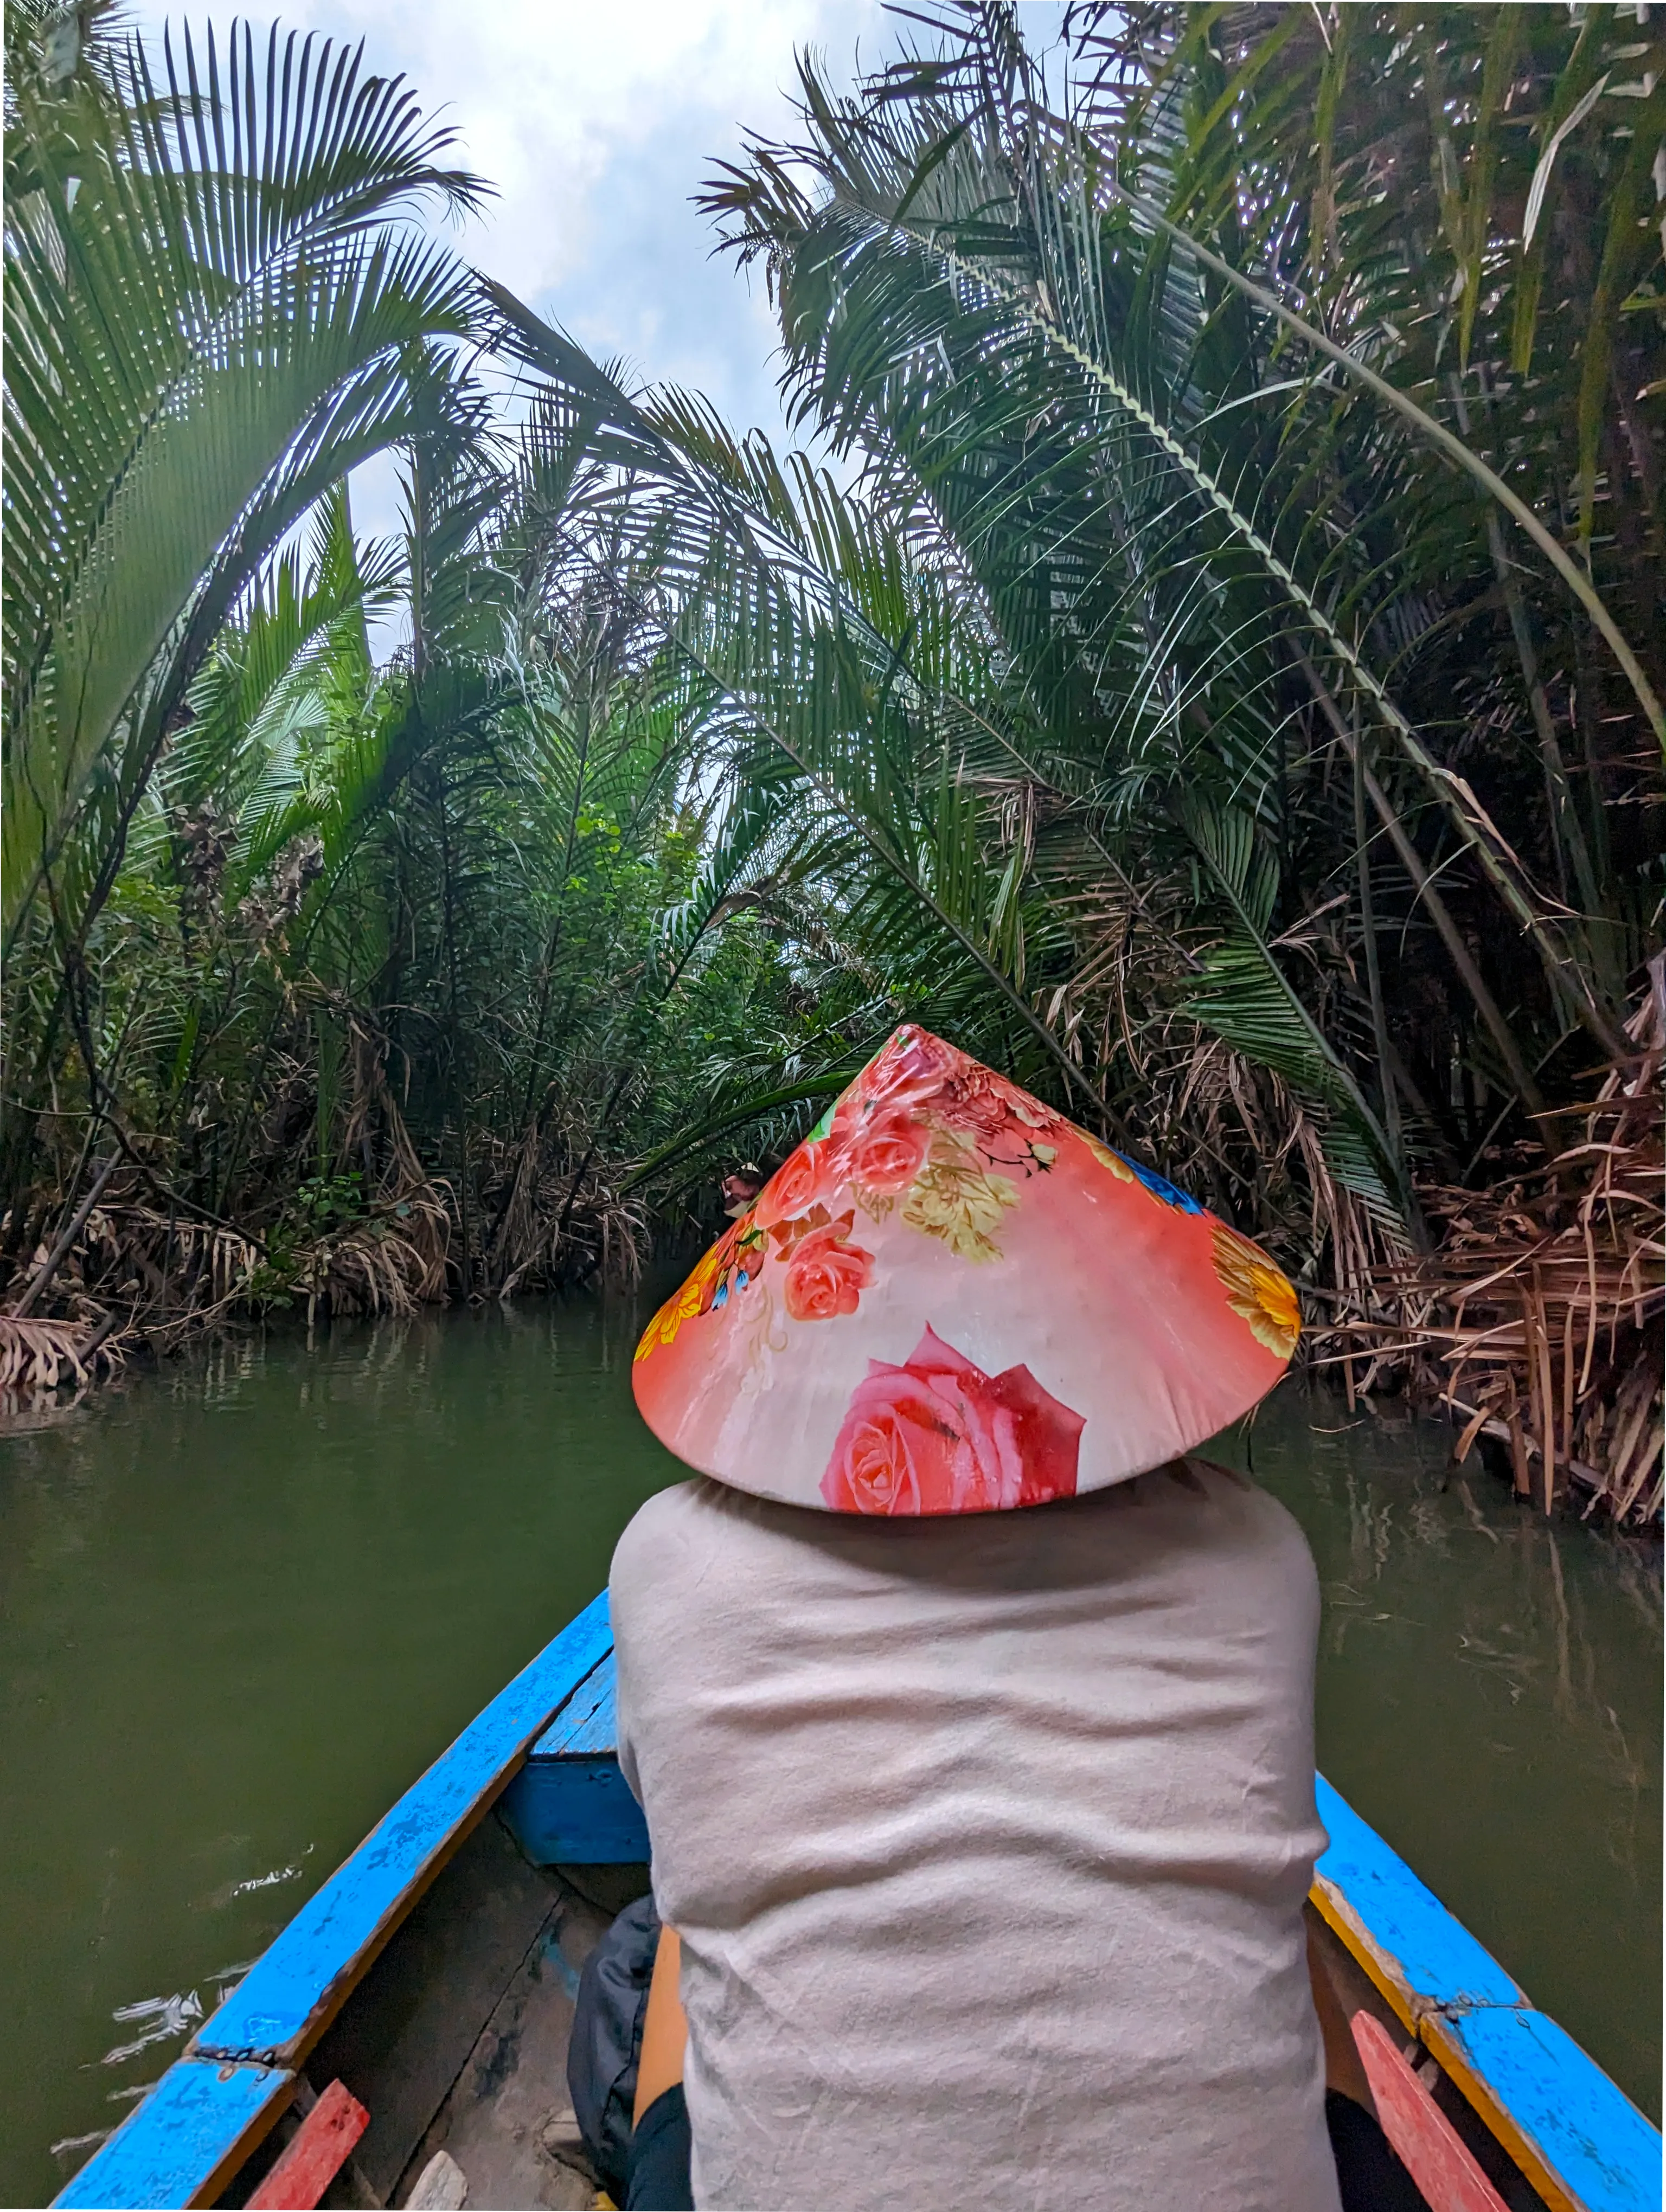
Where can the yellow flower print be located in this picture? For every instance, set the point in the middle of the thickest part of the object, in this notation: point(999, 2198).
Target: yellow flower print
point(1257, 1290)
point(1118, 1166)
point(957, 1199)
point(682, 1305)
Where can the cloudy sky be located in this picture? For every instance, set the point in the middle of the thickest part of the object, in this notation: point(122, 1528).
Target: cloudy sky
point(595, 120)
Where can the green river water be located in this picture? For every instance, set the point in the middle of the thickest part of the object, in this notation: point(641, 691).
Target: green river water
point(243, 1602)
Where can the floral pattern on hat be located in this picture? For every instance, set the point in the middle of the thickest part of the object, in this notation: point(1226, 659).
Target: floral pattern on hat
point(937, 1435)
point(1258, 1291)
point(1072, 1317)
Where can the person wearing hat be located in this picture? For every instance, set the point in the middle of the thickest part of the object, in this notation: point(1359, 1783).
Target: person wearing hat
point(972, 1718)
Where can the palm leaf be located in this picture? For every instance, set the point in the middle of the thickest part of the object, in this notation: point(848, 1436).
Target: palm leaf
point(201, 338)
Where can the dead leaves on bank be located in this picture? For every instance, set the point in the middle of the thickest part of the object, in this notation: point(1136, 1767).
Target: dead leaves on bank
point(1538, 1320)
point(39, 1356)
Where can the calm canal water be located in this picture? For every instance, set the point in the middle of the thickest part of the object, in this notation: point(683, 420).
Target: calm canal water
point(246, 1600)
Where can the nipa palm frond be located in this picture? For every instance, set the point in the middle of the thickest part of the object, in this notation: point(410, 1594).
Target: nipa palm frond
point(206, 309)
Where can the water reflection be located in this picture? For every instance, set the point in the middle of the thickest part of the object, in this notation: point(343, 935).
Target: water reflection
point(243, 1602)
point(1489, 1699)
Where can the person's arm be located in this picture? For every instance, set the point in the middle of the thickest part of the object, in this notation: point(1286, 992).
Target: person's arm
point(665, 2029)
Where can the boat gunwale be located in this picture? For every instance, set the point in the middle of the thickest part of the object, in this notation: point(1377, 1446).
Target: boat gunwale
point(495, 1745)
point(1435, 1975)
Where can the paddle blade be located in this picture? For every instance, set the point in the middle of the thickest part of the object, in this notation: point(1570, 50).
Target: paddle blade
point(321, 2148)
point(1429, 2146)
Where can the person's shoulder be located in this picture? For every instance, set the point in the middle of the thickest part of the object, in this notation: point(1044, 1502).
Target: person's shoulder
point(686, 1532)
point(1249, 1519)
point(1190, 1511)
point(1195, 1492)
point(664, 1519)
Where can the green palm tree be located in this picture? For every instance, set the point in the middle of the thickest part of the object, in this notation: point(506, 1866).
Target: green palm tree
point(1215, 549)
point(212, 289)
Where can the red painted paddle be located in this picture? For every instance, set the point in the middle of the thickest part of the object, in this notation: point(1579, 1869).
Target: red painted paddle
point(1430, 2147)
point(320, 2149)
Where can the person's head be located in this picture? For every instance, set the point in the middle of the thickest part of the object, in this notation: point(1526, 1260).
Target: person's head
point(950, 1299)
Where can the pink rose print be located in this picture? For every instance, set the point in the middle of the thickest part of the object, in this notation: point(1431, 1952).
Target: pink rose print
point(826, 1276)
point(883, 1155)
point(912, 1067)
point(918, 1075)
point(802, 1177)
point(991, 1109)
point(982, 1115)
point(939, 1435)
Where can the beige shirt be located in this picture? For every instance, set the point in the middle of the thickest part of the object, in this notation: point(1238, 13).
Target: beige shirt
point(988, 1840)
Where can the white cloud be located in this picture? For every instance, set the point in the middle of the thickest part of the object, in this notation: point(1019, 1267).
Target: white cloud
point(558, 105)
point(595, 120)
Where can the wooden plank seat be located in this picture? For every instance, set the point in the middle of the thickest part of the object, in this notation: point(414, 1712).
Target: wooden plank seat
point(1430, 2147)
point(302, 2173)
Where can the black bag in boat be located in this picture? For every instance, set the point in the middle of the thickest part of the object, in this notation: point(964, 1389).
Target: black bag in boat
point(606, 2041)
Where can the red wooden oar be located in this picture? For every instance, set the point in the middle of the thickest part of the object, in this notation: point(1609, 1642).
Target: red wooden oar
point(1430, 2147)
point(321, 2148)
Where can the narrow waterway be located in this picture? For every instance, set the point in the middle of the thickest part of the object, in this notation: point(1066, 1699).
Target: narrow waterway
point(244, 1602)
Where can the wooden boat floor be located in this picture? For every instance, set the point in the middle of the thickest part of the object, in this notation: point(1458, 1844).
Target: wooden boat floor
point(456, 2039)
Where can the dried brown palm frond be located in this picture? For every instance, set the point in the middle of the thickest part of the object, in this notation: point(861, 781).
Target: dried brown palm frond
point(414, 1212)
point(1229, 1128)
point(558, 1218)
point(165, 1268)
point(41, 1356)
point(369, 1268)
point(1538, 1320)
point(171, 1278)
point(122, 1257)
point(624, 1238)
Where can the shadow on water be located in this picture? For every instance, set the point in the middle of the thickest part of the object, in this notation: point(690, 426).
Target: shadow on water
point(244, 1602)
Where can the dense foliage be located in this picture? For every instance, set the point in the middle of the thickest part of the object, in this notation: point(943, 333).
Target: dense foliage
point(1225, 691)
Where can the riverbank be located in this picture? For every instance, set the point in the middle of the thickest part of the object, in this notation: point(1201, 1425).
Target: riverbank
point(1531, 1315)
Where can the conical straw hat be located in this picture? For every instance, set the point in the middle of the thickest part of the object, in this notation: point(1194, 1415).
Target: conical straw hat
point(950, 1299)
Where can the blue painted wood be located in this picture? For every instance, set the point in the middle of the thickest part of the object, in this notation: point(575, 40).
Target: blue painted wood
point(587, 1727)
point(289, 1996)
point(575, 1812)
point(1584, 2128)
point(188, 2136)
point(1591, 2139)
point(1442, 1962)
point(569, 1805)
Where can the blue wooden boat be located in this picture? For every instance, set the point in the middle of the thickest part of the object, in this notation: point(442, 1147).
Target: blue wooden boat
point(433, 1975)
